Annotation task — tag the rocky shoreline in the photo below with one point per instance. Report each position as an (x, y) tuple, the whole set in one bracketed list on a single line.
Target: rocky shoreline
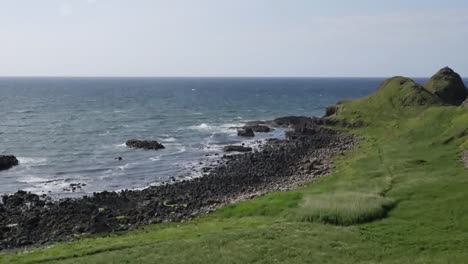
[(30, 220)]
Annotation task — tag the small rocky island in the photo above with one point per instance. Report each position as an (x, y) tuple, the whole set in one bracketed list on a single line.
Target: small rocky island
[(144, 144), (8, 162)]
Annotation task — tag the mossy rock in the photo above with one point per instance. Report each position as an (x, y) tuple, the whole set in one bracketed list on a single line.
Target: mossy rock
[(399, 92), (394, 97), (448, 86)]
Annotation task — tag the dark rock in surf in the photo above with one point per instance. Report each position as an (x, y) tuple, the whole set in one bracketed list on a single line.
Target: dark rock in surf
[(237, 149), (7, 162), (292, 121), (245, 132), (258, 128), (144, 144)]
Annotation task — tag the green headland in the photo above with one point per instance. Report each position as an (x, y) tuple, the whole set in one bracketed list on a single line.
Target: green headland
[(400, 196)]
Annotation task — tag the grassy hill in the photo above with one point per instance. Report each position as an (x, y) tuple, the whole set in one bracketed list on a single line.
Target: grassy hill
[(399, 197)]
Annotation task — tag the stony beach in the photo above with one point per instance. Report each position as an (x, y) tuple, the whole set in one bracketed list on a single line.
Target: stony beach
[(27, 219)]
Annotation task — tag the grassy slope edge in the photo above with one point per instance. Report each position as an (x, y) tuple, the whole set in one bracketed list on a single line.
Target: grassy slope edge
[(400, 197)]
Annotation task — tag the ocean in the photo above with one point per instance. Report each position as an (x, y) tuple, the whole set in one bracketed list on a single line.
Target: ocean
[(70, 130)]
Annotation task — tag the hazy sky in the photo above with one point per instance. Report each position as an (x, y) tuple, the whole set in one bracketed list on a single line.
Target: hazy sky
[(232, 37)]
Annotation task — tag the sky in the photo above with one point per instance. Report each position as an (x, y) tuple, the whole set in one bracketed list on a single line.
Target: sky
[(270, 38)]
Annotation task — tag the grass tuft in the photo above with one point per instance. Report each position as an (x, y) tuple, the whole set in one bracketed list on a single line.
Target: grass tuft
[(345, 208)]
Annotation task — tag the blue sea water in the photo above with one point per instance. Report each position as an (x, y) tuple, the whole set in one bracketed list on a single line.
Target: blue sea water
[(69, 130)]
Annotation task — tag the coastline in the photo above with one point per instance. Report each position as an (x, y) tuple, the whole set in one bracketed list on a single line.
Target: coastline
[(306, 153)]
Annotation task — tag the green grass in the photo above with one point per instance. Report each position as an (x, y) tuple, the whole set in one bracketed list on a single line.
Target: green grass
[(344, 208), (400, 197)]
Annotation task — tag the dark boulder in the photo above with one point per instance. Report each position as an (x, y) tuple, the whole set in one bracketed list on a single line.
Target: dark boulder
[(448, 86), (237, 148), (258, 128), (245, 132), (291, 121), (7, 162), (144, 144)]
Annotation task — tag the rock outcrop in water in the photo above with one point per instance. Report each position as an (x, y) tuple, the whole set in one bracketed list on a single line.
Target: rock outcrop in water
[(27, 219), (245, 132), (259, 128), (144, 144), (233, 148), (448, 86), (7, 162)]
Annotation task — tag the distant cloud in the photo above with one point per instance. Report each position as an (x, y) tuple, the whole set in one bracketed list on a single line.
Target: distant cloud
[(65, 9)]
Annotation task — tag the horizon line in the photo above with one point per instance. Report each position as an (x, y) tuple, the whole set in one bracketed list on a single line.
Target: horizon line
[(198, 77)]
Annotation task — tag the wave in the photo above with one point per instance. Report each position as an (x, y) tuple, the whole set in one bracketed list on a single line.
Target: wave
[(79, 172), (155, 158), (104, 134), (24, 111), (31, 161), (53, 186), (168, 139), (225, 128), (179, 149), (132, 165), (202, 126), (124, 167), (35, 179)]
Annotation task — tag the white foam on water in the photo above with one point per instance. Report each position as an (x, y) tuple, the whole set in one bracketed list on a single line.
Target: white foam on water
[(168, 139), (54, 187), (104, 134), (180, 149), (24, 111), (123, 145), (227, 128), (31, 161), (208, 147), (33, 179), (155, 158), (231, 125), (124, 167), (202, 126)]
